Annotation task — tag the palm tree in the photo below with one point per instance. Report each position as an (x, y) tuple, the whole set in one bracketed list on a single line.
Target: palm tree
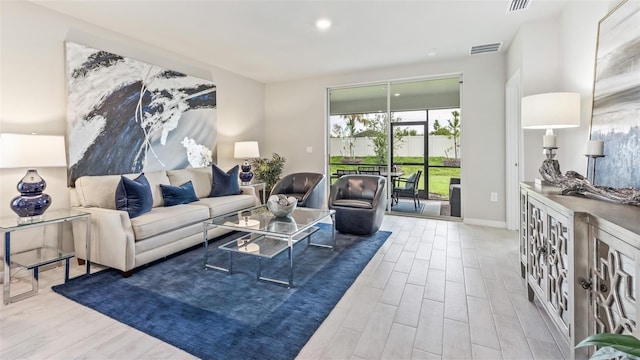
[(352, 121), (453, 128)]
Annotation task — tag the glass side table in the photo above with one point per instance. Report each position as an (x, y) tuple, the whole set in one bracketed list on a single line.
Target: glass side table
[(32, 259), (258, 186)]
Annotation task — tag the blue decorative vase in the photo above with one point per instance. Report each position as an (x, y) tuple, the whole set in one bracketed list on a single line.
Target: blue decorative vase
[(31, 202), (245, 175)]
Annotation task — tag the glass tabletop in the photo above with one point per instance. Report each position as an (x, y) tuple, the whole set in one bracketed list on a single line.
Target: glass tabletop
[(40, 256), (261, 220), (10, 223), (264, 245)]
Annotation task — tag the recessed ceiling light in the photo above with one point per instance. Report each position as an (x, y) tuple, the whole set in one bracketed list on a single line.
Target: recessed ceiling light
[(396, 94), (323, 24), (432, 51)]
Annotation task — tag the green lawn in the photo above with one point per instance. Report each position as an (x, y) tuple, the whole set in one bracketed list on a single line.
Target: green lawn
[(438, 177)]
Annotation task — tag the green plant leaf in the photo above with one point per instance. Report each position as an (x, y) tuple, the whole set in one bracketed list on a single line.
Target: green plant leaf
[(268, 170), (626, 344)]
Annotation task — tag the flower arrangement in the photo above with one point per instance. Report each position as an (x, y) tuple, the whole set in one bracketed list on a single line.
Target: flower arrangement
[(198, 155)]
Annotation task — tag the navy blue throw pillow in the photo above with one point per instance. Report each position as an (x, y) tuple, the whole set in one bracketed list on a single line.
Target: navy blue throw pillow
[(134, 196), (176, 195), (224, 183)]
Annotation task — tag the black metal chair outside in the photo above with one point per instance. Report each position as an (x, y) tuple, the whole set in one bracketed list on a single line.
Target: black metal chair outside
[(407, 187), (342, 172), (368, 170)]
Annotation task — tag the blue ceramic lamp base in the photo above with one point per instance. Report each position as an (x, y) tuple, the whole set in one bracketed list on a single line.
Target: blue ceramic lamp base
[(245, 175), (32, 202)]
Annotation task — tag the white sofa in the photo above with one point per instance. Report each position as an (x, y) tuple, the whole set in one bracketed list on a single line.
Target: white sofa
[(123, 243)]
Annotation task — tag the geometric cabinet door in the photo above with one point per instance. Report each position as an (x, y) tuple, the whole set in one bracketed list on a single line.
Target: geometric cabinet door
[(615, 270)]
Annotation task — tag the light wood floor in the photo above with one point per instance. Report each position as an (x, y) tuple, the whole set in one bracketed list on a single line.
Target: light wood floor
[(436, 289)]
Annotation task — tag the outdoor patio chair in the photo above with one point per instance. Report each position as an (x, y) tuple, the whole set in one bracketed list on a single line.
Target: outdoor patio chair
[(368, 170), (454, 196), (341, 172), (407, 187)]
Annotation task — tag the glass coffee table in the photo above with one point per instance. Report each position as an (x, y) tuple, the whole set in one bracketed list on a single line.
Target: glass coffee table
[(266, 236)]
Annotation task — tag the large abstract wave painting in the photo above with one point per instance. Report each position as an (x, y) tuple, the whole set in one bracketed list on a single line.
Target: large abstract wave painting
[(616, 97), (126, 116)]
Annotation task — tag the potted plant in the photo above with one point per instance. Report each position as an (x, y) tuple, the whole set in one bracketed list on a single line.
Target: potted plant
[(268, 170), (613, 346)]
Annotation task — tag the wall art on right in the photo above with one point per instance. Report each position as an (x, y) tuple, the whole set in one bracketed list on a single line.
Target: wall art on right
[(616, 97)]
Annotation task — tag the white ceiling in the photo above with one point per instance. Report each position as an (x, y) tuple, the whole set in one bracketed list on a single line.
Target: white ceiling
[(273, 41)]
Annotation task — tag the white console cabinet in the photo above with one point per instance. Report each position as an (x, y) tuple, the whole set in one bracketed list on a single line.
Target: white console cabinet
[(581, 260)]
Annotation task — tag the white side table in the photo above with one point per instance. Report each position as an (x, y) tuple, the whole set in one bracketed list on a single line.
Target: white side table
[(34, 258)]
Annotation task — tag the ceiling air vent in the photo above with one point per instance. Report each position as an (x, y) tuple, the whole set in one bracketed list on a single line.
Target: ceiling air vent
[(516, 5), (486, 48)]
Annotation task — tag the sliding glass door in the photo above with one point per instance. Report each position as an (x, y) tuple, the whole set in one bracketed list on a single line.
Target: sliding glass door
[(404, 129)]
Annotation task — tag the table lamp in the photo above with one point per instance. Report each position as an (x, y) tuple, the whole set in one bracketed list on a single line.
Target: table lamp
[(550, 111), (246, 150), (31, 152)]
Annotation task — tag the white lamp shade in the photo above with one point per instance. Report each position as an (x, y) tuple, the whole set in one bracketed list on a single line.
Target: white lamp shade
[(32, 151), (246, 150), (551, 111)]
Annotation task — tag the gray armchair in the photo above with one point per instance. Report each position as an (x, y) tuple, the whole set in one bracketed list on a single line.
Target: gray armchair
[(308, 188), (359, 202)]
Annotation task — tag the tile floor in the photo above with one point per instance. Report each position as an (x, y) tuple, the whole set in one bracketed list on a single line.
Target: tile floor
[(436, 289)]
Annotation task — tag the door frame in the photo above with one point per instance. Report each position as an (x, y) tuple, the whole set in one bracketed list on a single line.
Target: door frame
[(513, 153)]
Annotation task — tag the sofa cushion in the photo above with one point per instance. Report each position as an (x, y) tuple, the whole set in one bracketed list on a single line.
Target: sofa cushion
[(134, 196), (224, 183), (176, 195), (354, 203), (156, 178), (163, 219), (98, 191), (225, 204), (199, 177)]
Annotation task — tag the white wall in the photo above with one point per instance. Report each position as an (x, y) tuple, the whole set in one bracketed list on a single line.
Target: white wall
[(298, 108), (558, 55), (580, 32), (33, 90)]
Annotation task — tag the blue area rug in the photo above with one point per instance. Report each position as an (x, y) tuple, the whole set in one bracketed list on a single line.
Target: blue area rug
[(214, 315)]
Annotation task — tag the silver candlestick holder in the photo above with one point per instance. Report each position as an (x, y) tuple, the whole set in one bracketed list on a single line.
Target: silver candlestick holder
[(593, 168)]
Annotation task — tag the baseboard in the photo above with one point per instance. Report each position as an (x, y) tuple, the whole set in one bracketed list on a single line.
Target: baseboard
[(489, 223)]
